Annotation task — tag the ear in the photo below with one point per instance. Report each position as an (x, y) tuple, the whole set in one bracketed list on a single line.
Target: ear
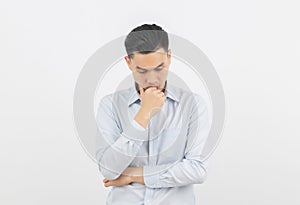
[(169, 53), (169, 56), (128, 61)]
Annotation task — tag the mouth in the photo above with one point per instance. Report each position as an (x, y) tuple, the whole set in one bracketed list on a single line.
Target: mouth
[(147, 87), (157, 87)]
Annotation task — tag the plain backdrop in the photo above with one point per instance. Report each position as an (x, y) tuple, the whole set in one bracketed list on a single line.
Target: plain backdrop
[(254, 46)]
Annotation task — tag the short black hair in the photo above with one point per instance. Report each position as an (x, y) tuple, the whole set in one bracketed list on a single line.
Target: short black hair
[(145, 39)]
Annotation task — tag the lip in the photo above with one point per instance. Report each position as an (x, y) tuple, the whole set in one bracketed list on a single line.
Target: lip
[(157, 87)]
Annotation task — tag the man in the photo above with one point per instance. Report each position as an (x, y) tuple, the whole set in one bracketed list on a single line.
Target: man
[(152, 134)]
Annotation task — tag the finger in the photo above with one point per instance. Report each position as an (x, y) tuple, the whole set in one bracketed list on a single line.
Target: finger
[(141, 90), (151, 89), (161, 89), (105, 180), (159, 93), (155, 90), (107, 183), (163, 99)]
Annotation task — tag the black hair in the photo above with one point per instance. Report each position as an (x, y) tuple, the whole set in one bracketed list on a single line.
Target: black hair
[(145, 39)]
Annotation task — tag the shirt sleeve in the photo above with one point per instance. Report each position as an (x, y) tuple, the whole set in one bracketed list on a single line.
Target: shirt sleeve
[(116, 148), (190, 170)]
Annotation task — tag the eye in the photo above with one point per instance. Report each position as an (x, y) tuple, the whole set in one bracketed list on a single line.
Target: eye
[(142, 72), (158, 69)]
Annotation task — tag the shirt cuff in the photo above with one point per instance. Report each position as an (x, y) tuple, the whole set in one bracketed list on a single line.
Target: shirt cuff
[(152, 175)]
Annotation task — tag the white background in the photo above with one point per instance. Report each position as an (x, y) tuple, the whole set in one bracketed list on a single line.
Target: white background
[(254, 46)]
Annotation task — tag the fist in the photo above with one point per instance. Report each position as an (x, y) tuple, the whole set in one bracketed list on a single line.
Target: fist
[(152, 100)]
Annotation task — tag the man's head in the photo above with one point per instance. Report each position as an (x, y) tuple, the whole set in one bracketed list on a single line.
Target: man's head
[(148, 57)]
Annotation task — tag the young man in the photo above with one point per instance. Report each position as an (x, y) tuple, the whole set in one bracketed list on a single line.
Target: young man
[(152, 134)]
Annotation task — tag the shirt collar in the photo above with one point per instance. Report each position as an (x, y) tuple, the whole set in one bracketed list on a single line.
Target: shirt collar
[(170, 93)]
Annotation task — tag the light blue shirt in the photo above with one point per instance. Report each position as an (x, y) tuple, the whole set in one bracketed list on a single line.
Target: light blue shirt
[(168, 149)]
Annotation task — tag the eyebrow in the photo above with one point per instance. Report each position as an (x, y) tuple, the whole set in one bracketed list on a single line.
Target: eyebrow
[(144, 69)]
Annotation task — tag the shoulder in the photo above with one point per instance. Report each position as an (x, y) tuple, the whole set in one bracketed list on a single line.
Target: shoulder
[(116, 98), (184, 95), (124, 93)]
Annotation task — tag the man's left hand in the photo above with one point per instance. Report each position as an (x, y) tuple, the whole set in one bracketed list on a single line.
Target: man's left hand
[(120, 181), (130, 174)]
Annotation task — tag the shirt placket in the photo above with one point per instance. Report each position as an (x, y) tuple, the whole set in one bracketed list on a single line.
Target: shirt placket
[(151, 162)]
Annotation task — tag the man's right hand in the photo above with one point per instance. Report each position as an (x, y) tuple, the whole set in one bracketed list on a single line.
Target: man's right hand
[(152, 100)]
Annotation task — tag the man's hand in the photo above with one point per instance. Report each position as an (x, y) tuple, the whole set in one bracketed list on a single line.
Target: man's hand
[(151, 102), (121, 181), (130, 174)]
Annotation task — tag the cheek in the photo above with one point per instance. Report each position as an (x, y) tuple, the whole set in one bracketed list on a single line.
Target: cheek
[(163, 75), (138, 77)]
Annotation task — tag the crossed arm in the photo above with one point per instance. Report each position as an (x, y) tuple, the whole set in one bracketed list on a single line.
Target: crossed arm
[(116, 151), (131, 174)]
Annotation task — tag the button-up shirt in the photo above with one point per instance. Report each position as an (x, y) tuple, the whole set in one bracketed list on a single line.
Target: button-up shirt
[(169, 149)]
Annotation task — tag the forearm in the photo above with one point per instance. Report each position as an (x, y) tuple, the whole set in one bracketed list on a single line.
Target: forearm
[(117, 157), (138, 179), (162, 176), (130, 175), (180, 174), (125, 148), (142, 118), (136, 174)]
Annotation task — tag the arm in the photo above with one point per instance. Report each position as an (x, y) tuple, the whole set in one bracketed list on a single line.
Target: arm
[(115, 149), (191, 170), (131, 174)]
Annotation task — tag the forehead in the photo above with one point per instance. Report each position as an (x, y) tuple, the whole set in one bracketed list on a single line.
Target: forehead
[(149, 60)]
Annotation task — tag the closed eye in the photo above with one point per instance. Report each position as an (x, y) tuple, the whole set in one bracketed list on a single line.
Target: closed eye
[(142, 71)]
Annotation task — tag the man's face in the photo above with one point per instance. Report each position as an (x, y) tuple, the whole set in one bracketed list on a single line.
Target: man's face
[(150, 70)]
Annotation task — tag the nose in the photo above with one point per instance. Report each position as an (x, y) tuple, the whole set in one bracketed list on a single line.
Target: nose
[(152, 79)]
